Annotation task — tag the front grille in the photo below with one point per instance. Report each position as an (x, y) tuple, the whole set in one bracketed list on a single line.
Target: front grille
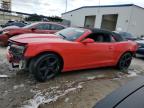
[(13, 50)]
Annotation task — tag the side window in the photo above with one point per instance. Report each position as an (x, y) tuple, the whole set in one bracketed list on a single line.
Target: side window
[(39, 27), (100, 37), (46, 27), (43, 26), (118, 37), (113, 39), (56, 27)]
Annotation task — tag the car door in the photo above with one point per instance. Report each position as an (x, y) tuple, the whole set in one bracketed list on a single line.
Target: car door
[(99, 53)]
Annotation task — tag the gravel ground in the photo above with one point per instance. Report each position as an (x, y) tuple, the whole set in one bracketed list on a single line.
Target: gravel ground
[(78, 89)]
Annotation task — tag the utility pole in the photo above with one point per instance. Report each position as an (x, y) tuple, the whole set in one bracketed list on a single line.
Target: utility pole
[(66, 6), (99, 6)]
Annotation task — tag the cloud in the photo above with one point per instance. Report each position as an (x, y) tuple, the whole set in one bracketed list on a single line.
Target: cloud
[(42, 7), (56, 7)]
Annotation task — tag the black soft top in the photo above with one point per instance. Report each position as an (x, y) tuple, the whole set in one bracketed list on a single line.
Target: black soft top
[(117, 36), (96, 30)]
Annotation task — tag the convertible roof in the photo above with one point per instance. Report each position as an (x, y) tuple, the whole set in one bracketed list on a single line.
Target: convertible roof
[(116, 35), (95, 30)]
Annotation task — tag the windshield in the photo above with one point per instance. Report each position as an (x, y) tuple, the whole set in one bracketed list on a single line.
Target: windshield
[(71, 33), (30, 25)]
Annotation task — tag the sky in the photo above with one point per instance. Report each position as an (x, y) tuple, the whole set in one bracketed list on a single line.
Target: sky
[(57, 7)]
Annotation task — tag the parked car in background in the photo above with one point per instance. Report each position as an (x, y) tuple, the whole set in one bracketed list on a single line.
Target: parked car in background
[(3, 38), (130, 95), (127, 36), (45, 55), (39, 27), (13, 23), (140, 50)]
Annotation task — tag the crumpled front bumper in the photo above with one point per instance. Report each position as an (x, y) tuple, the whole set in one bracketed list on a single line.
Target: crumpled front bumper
[(16, 63)]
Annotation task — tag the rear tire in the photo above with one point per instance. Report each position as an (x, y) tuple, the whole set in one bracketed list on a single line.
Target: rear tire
[(124, 62), (45, 67)]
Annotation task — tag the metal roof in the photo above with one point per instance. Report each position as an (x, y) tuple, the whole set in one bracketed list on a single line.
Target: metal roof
[(120, 5)]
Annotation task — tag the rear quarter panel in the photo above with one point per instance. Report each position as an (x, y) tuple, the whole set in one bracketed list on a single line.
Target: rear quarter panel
[(123, 47)]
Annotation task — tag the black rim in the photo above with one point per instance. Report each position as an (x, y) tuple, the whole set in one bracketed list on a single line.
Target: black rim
[(125, 61), (48, 67)]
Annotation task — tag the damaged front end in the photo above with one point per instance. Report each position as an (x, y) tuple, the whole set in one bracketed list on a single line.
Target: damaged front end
[(15, 54)]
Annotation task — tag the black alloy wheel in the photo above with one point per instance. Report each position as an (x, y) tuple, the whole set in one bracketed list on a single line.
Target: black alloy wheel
[(125, 62), (46, 67)]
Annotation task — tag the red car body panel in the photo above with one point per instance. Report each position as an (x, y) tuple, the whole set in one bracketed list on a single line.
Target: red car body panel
[(75, 54), (17, 31)]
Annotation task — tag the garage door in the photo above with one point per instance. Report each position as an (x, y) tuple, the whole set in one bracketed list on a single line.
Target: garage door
[(109, 22), (89, 21)]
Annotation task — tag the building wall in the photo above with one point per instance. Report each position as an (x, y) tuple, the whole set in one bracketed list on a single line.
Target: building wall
[(4, 17), (77, 17), (136, 24)]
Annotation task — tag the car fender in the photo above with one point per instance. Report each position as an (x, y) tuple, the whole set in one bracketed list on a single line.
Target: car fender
[(38, 50), (130, 46)]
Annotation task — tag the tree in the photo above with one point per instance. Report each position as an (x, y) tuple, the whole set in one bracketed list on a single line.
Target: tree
[(35, 17)]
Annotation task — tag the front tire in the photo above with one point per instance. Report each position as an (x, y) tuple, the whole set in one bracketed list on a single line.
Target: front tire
[(45, 67), (124, 62)]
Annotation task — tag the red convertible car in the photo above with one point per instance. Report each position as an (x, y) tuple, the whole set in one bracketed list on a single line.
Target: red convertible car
[(39, 27), (46, 55)]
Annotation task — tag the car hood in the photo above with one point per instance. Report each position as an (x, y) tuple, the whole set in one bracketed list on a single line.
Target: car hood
[(10, 28), (37, 38)]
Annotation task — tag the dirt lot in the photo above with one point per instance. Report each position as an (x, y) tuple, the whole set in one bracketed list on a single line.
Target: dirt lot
[(78, 89)]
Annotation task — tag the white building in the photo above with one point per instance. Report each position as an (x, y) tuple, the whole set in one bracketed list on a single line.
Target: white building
[(128, 17)]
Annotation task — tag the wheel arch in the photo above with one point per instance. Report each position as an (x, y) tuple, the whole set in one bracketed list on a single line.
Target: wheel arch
[(47, 52), (131, 52)]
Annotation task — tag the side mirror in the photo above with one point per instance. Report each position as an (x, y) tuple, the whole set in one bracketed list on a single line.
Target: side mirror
[(88, 40), (33, 29)]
